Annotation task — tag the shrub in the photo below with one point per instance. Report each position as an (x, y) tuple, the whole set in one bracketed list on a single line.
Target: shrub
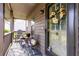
[(6, 31)]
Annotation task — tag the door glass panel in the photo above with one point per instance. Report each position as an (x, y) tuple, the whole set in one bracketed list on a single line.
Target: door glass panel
[(58, 29)]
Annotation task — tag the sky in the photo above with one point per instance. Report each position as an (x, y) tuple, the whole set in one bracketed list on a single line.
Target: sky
[(20, 25)]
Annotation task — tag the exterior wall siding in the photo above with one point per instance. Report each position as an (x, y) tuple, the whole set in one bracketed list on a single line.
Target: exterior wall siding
[(40, 30), (7, 41), (1, 29), (39, 27)]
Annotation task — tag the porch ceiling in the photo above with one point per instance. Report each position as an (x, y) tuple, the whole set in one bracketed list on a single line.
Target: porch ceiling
[(20, 10)]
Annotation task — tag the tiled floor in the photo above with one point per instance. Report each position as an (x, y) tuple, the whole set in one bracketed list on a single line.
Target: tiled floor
[(17, 50)]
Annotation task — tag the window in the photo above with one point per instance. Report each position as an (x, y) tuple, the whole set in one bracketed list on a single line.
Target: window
[(6, 26)]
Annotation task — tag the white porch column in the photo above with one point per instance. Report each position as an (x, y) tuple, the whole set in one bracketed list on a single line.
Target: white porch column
[(12, 25), (29, 26), (26, 25), (11, 21)]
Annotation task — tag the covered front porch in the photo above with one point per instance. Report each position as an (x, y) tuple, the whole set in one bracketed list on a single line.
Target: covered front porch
[(53, 25), (19, 20)]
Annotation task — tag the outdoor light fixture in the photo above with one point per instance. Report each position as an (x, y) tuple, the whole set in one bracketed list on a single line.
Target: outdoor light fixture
[(42, 11)]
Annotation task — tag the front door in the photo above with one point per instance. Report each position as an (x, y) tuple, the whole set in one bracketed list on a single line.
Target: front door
[(60, 29)]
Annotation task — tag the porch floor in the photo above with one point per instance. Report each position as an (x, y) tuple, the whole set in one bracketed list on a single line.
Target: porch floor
[(20, 48), (17, 50)]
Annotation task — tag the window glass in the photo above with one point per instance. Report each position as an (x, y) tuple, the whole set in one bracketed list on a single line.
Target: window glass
[(58, 29)]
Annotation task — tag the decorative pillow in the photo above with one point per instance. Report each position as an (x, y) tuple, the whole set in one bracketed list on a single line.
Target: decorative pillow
[(33, 42)]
